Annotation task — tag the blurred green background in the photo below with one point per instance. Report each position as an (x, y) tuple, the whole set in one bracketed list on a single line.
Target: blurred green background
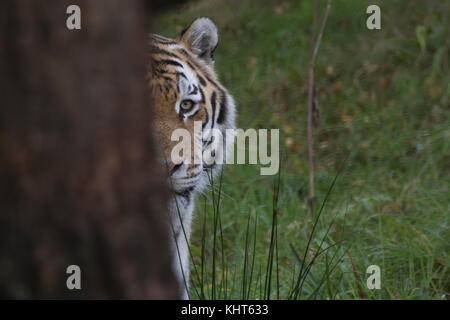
[(384, 103)]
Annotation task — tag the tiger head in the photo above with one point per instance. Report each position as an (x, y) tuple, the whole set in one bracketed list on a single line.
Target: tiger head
[(187, 95)]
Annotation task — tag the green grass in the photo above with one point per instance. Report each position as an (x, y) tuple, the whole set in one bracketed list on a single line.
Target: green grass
[(384, 104)]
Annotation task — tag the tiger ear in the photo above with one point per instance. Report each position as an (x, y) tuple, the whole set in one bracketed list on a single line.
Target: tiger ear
[(201, 37)]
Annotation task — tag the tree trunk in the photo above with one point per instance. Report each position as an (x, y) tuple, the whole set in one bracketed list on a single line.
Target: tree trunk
[(79, 181)]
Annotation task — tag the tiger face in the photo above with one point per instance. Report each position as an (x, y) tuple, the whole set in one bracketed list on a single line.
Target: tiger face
[(186, 93)]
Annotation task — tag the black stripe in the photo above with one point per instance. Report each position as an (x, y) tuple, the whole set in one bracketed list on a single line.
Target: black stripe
[(191, 66), (158, 36), (167, 79), (181, 74), (213, 106), (156, 50), (161, 72), (162, 40), (202, 81), (206, 121), (167, 61), (223, 107), (195, 112), (207, 143), (194, 90), (203, 96), (186, 194)]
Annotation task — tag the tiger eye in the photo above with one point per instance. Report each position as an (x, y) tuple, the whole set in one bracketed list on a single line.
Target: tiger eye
[(186, 104)]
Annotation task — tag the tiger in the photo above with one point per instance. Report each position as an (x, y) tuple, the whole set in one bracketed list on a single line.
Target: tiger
[(185, 89)]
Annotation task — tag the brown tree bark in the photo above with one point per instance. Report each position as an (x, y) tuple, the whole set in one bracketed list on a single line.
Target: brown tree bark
[(79, 183)]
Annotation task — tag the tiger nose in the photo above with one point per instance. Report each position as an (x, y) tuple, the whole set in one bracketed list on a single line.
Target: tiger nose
[(172, 167)]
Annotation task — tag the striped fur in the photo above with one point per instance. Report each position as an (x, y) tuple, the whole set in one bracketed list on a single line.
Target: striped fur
[(182, 69)]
